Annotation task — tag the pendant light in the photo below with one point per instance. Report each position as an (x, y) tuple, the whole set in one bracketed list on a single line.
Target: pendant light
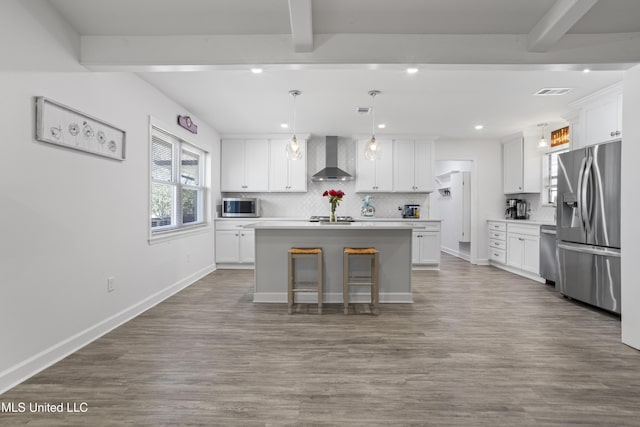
[(372, 151), (294, 152), (542, 142)]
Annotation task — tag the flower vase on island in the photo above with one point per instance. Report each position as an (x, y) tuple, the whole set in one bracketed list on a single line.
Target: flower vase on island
[(335, 197)]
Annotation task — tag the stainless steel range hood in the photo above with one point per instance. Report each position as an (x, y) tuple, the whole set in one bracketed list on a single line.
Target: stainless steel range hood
[(331, 172)]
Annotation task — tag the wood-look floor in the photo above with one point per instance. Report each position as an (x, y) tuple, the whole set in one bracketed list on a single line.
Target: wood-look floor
[(479, 347)]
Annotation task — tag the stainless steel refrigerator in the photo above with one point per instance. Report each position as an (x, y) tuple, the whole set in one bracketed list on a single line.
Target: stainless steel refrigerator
[(588, 225)]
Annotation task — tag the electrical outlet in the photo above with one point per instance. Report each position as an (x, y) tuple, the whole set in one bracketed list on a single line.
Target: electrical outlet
[(110, 284)]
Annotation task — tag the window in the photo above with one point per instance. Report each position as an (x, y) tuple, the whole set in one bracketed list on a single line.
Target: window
[(177, 183), (551, 177)]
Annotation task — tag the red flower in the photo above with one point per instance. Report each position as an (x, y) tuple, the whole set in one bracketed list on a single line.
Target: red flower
[(334, 196)]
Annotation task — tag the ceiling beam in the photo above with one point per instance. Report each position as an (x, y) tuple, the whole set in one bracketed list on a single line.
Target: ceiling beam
[(556, 23), (164, 53), (301, 25)]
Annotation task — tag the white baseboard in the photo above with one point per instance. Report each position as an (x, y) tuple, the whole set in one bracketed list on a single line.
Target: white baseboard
[(15, 375), (419, 267), (333, 298), (518, 272), (482, 261), (234, 266), (457, 254)]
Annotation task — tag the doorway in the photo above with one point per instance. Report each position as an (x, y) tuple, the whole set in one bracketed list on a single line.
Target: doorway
[(452, 203)]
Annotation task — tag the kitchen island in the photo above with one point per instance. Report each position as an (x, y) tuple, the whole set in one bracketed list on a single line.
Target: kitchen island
[(273, 239)]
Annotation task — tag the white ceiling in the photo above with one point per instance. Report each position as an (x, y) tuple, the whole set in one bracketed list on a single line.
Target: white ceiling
[(442, 100), (447, 104), (160, 17)]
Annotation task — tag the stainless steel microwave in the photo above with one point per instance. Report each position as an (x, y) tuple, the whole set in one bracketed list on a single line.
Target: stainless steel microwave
[(240, 207)]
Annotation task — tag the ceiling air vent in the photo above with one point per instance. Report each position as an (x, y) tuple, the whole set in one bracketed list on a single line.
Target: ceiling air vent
[(364, 110), (553, 91)]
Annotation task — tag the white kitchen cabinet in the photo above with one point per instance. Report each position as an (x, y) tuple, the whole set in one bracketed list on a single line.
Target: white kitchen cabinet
[(413, 166), (521, 165), (498, 242), (235, 245), (523, 247), (287, 175), (426, 243), (243, 165), (600, 116), (374, 175)]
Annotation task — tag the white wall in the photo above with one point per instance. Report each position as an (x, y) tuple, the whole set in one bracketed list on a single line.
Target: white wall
[(487, 198), (34, 37), (69, 220), (630, 207)]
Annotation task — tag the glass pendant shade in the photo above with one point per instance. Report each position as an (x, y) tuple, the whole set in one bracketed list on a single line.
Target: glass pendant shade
[(294, 152), (293, 149), (371, 152), (542, 142)]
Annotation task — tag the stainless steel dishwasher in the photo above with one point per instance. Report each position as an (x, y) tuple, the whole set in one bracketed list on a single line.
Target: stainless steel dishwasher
[(548, 258)]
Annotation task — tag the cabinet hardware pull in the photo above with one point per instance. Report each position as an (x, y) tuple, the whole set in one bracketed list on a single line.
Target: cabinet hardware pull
[(612, 133), (617, 132), (521, 239)]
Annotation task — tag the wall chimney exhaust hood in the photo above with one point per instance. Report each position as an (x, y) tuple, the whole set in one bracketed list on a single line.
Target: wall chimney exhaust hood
[(331, 172)]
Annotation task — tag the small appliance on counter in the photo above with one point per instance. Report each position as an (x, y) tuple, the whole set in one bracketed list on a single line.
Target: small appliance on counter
[(517, 209), (240, 207), (410, 211), (367, 210), (522, 209), (511, 212)]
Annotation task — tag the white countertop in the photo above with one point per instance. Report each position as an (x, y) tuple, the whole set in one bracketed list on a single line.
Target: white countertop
[(304, 225), (356, 219), (523, 221), (369, 219)]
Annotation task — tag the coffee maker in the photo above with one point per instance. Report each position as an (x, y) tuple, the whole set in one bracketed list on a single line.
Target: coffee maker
[(521, 209), (512, 209)]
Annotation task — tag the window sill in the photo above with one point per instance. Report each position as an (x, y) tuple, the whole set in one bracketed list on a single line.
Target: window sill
[(164, 236)]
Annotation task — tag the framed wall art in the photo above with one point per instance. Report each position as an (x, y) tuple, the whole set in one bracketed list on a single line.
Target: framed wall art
[(61, 125)]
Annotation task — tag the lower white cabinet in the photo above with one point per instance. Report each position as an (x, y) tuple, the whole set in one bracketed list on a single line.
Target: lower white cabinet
[(234, 244), (515, 247), (426, 243), (523, 247)]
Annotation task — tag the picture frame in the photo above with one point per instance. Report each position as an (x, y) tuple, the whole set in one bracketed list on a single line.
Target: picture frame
[(64, 126)]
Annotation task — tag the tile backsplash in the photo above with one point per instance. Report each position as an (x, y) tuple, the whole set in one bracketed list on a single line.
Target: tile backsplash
[(303, 205), (538, 211)]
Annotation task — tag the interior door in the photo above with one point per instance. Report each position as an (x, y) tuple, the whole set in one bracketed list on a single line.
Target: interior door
[(569, 216), (603, 197)]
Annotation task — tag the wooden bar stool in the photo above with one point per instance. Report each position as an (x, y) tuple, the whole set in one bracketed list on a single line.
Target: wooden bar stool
[(370, 280), (295, 253)]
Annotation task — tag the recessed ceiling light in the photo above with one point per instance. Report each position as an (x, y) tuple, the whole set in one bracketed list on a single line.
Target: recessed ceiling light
[(586, 70), (256, 70), (284, 125), (412, 70), (479, 127), (382, 126)]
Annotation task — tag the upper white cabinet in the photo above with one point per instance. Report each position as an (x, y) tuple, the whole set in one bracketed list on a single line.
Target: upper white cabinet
[(600, 117), (412, 166), (374, 175), (286, 175), (244, 167), (521, 166)]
